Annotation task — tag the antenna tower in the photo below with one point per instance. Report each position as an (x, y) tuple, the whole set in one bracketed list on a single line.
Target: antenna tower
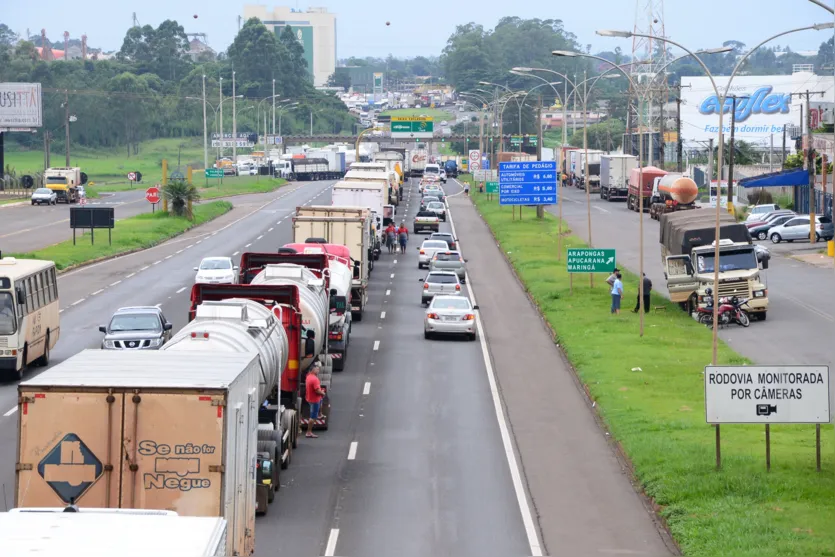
[(649, 56), (66, 45), (135, 22)]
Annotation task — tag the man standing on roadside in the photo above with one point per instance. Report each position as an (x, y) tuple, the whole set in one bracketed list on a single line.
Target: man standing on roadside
[(647, 291), (617, 294), (314, 395), (611, 280)]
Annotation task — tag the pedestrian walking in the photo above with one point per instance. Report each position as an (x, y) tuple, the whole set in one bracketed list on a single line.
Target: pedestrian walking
[(314, 395), (647, 290), (617, 293), (403, 236)]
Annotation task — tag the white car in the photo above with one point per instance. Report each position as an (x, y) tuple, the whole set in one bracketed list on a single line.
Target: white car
[(81, 191), (450, 315), (216, 270), (428, 249), (44, 196), (443, 175), (758, 211)]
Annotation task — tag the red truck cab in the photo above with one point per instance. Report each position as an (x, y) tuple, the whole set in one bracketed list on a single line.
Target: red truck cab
[(640, 186)]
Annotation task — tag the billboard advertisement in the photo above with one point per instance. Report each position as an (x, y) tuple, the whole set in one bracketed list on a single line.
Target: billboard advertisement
[(765, 105), (21, 105)]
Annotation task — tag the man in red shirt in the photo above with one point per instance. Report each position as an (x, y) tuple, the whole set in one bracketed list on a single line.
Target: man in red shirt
[(314, 395)]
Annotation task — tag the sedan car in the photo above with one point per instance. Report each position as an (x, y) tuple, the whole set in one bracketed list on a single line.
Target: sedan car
[(434, 191), (426, 220), (798, 229), (760, 230), (428, 249), (44, 196), (437, 283), (438, 208), (450, 315), (426, 200), (216, 270), (449, 261), (446, 237), (136, 328)]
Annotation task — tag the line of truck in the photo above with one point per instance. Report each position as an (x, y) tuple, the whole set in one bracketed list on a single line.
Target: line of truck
[(204, 426)]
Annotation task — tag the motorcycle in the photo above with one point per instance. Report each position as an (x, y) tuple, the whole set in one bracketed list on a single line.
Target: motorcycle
[(730, 311)]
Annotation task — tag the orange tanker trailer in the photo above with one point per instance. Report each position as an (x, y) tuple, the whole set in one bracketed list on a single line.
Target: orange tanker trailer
[(672, 192)]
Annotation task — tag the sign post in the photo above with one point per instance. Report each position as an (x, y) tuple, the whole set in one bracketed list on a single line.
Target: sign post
[(152, 195), (767, 395)]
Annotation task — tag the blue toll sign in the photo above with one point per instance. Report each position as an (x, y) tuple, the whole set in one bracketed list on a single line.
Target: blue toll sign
[(528, 183), (70, 468)]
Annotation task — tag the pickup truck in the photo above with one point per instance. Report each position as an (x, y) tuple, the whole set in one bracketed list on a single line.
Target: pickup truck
[(426, 220)]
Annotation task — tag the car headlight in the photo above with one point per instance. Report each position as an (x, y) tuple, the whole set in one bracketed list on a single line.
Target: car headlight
[(109, 344), (155, 342), (760, 293)]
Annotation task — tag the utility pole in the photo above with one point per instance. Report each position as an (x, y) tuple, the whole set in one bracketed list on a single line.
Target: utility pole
[(234, 124), (734, 98), (273, 107), (540, 210), (679, 139), (205, 134), (710, 170), (771, 155), (220, 130), (45, 149), (810, 157), (783, 153), (67, 123)]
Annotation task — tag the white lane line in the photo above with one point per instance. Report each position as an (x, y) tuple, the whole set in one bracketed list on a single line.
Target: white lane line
[(145, 268), (157, 262), (61, 310), (352, 451), (278, 222), (189, 246), (600, 209), (388, 292), (169, 257), (259, 237), (179, 252), (395, 261), (115, 283), (181, 289), (10, 412), (75, 303), (330, 549), (376, 345), (246, 246), (367, 388), (130, 275), (236, 253), (383, 315), (271, 229), (97, 292), (392, 275), (510, 454), (197, 242)]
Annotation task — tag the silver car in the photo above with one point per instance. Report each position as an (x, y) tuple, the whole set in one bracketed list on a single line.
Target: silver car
[(449, 261), (450, 315), (438, 208), (44, 196), (136, 328), (428, 249), (427, 199), (437, 283)]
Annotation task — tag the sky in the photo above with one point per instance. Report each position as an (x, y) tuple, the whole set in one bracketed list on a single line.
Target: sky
[(422, 28)]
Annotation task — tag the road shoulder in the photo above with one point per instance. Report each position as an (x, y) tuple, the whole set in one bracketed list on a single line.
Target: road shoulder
[(581, 492)]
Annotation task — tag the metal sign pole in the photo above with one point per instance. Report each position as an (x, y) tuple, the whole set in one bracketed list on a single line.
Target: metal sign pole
[(818, 447), (768, 447), (718, 448)]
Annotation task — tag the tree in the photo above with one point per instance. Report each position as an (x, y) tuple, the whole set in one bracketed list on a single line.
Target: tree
[(292, 67), (180, 196), (163, 51), (605, 136), (7, 37), (825, 56), (340, 78), (256, 56)]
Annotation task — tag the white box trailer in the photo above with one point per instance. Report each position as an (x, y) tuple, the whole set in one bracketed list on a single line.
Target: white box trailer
[(107, 532), (144, 429), (614, 175)]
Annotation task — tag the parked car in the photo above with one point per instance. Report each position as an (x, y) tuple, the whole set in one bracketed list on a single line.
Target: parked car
[(759, 230), (428, 249), (798, 229), (216, 270), (449, 261), (757, 211), (44, 196), (439, 282), (453, 315), (136, 328), (446, 237), (438, 208)]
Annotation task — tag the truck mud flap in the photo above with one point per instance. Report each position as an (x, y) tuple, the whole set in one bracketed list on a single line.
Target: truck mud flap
[(320, 423)]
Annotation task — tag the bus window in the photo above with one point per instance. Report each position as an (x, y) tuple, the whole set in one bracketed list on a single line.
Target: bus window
[(7, 318)]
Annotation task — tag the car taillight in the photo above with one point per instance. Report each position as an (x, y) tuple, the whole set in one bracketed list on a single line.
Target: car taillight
[(426, 286), (433, 316), (458, 287), (422, 252), (469, 317)]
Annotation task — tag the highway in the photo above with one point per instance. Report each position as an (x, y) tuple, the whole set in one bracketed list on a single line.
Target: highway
[(29, 227), (801, 314)]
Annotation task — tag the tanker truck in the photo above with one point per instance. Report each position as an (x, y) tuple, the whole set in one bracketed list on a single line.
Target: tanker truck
[(339, 270), (260, 269), (640, 186), (671, 193), (234, 324)]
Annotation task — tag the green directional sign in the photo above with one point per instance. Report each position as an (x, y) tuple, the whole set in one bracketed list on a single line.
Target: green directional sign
[(214, 173), (412, 126), (491, 187), (591, 260)]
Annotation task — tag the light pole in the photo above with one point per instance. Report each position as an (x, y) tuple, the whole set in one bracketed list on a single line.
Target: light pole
[(234, 124), (205, 133), (273, 107), (215, 110), (721, 97), (220, 129), (281, 109)]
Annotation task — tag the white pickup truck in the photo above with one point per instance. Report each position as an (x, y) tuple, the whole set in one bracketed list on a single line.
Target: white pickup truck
[(426, 220)]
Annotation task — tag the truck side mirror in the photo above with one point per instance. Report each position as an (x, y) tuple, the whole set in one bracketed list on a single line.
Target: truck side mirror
[(103, 329), (765, 262)]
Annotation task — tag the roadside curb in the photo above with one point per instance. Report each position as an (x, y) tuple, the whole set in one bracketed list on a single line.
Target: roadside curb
[(16, 204), (650, 505)]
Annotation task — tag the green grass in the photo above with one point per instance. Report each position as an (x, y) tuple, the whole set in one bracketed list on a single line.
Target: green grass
[(130, 234), (657, 414), (436, 114), (239, 185)]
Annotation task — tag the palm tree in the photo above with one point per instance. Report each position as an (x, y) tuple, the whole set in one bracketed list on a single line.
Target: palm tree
[(180, 195)]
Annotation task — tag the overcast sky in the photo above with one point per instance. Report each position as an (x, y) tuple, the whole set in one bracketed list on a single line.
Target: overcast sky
[(422, 28)]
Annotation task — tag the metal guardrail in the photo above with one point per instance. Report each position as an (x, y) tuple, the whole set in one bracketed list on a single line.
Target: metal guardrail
[(297, 139)]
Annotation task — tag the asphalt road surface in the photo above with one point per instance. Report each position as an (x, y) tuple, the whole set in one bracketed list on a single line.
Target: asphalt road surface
[(414, 462), (29, 227), (801, 315)]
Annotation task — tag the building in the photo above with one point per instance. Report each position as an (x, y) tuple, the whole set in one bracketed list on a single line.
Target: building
[(315, 29), (198, 50)]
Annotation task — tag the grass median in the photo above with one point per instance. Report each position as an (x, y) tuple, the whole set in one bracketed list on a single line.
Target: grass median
[(238, 185), (650, 393), (130, 234)]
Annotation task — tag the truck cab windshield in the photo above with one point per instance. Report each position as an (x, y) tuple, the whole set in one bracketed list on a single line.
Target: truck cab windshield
[(730, 260), (8, 324)]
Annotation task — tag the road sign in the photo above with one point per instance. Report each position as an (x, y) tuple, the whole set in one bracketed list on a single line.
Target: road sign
[(590, 260), (485, 175), (474, 160), (152, 194), (767, 394), (492, 187), (412, 127), (214, 173), (528, 183), (132, 176), (70, 468), (82, 200)]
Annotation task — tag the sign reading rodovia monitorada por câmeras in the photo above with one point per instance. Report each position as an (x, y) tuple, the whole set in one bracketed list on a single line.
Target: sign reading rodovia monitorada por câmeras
[(768, 108)]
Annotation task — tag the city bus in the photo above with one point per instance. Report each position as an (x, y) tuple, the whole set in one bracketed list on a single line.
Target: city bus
[(29, 326)]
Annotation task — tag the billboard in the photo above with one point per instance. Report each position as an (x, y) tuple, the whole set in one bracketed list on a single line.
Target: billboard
[(765, 105), (21, 105), (304, 34)]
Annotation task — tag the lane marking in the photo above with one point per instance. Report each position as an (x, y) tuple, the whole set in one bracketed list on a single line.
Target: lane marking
[(330, 549), (179, 252), (352, 451), (392, 275), (169, 257), (61, 311), (383, 315), (115, 283), (197, 242), (145, 268), (75, 303), (10, 412), (395, 261), (130, 275), (367, 388), (181, 289), (376, 345), (157, 262), (189, 246), (504, 429), (259, 237), (271, 229), (246, 246), (600, 209), (388, 292), (97, 292)]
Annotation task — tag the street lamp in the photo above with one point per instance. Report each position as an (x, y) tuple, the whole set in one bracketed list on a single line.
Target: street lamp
[(215, 109), (720, 103)]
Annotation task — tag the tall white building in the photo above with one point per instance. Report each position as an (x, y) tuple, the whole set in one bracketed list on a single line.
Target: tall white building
[(315, 29)]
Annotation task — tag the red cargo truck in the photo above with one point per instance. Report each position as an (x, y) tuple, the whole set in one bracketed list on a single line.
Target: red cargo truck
[(645, 177)]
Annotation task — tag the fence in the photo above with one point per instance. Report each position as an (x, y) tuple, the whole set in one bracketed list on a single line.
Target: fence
[(16, 186), (823, 201)]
